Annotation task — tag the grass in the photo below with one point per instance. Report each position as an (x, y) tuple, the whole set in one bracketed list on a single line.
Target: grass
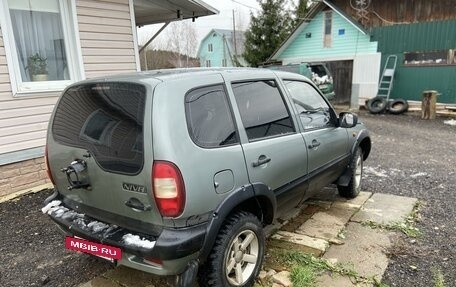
[(305, 268), (303, 276), (439, 280), (318, 264), (408, 227)]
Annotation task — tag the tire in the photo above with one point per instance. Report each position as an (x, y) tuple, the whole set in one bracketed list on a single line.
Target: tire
[(376, 105), (354, 186), (229, 253), (398, 106)]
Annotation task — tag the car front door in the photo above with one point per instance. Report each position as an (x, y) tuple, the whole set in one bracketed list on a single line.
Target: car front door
[(327, 144), (274, 151)]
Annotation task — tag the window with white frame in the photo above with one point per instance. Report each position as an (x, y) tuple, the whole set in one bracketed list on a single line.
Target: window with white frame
[(208, 63), (209, 47), (327, 29), (40, 42), (223, 62)]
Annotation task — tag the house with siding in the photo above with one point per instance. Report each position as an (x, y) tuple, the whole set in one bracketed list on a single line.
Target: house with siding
[(329, 35), (45, 45), (221, 48), (420, 33)]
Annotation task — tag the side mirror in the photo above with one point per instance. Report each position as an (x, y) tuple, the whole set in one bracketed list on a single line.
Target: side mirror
[(347, 120)]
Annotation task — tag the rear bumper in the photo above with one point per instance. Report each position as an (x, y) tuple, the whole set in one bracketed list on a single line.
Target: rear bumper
[(174, 248)]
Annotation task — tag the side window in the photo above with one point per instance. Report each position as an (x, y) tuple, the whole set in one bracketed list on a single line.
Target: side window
[(209, 119), (262, 109), (313, 111)]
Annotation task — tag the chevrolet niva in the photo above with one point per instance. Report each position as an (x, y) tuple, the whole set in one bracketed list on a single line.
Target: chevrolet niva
[(176, 172)]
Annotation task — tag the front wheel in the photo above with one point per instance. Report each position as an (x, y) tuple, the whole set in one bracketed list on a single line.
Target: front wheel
[(353, 188), (237, 255)]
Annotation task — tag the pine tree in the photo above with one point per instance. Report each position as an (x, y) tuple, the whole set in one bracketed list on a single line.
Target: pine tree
[(267, 31), (300, 11)]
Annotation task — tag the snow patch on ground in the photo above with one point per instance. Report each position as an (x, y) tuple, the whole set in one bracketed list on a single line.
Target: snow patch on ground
[(376, 172), (419, 174), (51, 206), (135, 240), (451, 122)]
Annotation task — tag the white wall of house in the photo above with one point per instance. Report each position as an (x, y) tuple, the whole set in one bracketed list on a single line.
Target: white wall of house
[(100, 38), (107, 37), (366, 73), (103, 43)]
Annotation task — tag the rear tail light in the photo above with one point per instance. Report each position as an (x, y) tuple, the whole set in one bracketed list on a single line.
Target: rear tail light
[(48, 170), (169, 189)]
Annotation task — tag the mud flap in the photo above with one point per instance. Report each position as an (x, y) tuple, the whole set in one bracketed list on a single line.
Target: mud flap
[(188, 277), (345, 178)]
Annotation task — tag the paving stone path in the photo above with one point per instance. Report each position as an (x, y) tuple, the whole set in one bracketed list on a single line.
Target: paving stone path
[(327, 226)]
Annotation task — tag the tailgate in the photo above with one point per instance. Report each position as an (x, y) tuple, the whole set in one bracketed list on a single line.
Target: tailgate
[(100, 152)]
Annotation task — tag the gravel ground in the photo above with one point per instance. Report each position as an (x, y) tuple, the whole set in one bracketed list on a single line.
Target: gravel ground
[(417, 158), (410, 157), (32, 250)]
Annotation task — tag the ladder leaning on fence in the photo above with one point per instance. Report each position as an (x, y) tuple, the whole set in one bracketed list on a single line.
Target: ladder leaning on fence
[(386, 81), (382, 101)]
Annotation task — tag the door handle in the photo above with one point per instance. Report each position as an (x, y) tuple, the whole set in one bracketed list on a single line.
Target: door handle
[(261, 160), (314, 144), (138, 205)]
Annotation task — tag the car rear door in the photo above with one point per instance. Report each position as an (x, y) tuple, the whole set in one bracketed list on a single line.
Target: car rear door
[(274, 151), (327, 144), (98, 152)]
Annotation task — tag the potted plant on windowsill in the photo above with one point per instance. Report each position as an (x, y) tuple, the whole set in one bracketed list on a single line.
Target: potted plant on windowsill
[(37, 66)]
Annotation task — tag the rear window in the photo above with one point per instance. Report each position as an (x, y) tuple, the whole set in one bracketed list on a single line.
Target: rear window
[(107, 120)]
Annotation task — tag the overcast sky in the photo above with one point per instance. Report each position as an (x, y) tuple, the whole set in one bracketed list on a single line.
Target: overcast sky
[(224, 20)]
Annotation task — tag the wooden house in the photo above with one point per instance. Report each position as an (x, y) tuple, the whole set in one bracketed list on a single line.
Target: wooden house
[(354, 38), (221, 48)]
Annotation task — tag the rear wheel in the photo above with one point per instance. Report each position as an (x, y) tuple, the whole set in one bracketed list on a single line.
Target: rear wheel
[(353, 188), (238, 253)]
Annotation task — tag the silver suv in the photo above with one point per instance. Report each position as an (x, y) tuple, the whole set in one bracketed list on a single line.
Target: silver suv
[(176, 172)]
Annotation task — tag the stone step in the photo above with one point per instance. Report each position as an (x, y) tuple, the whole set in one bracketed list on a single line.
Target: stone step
[(300, 242), (326, 224), (384, 208), (364, 251)]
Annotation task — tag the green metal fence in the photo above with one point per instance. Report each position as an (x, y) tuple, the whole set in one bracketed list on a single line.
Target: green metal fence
[(426, 68)]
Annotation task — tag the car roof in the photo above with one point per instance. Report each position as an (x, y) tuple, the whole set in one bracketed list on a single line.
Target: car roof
[(180, 73)]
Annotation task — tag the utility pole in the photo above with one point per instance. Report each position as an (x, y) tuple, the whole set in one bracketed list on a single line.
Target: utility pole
[(234, 41), (145, 60)]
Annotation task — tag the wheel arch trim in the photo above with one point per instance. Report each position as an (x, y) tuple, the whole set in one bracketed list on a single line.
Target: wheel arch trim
[(257, 192), (363, 140)]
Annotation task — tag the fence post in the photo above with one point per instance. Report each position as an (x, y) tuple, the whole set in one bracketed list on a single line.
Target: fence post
[(428, 105)]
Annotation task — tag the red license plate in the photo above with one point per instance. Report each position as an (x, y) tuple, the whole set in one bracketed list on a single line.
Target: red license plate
[(97, 249)]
